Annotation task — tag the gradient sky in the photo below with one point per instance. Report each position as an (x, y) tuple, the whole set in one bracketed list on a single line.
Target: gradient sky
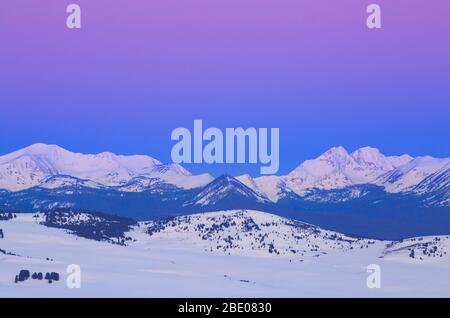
[(139, 68)]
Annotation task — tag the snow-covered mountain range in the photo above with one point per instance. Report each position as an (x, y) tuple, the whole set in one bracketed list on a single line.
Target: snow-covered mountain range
[(51, 166), (337, 169), (402, 196)]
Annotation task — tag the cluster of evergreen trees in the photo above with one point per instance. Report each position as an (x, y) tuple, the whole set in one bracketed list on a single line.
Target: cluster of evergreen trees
[(5, 216), (24, 275), (92, 225)]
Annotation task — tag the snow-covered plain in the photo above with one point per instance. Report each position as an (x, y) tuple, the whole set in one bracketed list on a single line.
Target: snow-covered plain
[(189, 257)]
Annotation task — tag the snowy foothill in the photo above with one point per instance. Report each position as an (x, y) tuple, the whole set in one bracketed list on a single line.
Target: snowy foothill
[(219, 254)]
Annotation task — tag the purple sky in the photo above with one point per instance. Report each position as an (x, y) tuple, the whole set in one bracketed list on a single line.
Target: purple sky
[(138, 69)]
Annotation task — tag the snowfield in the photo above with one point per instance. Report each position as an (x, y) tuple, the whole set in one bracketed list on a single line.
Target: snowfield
[(221, 254)]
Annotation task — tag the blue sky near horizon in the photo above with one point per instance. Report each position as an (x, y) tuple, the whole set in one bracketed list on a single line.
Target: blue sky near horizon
[(138, 69)]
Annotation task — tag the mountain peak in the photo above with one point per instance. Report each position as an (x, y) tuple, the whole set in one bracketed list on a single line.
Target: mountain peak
[(335, 151), (226, 176), (374, 156), (40, 148), (225, 179), (226, 190), (367, 150), (368, 155), (27, 167), (40, 145), (336, 168)]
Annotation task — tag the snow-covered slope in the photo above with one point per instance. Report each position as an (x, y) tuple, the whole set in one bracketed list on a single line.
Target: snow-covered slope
[(420, 249), (334, 169), (337, 169), (438, 183), (254, 233), (226, 190), (31, 166), (248, 181), (64, 181), (221, 254), (409, 175), (371, 159), (271, 187)]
